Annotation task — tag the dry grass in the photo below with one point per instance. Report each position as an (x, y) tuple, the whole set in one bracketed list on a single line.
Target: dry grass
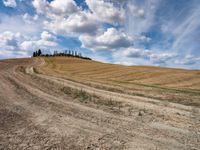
[(85, 97), (175, 85)]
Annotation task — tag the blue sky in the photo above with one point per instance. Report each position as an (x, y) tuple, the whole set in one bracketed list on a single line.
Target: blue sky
[(130, 32)]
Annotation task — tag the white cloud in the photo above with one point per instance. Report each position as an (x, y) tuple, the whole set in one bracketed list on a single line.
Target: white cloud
[(112, 39), (144, 38), (144, 57), (9, 41), (125, 62), (162, 58), (4, 54), (138, 12), (136, 53), (184, 29), (187, 31), (10, 3), (40, 6), (30, 19), (140, 16), (16, 23), (131, 56), (55, 8), (63, 6), (66, 18), (75, 24), (16, 29), (188, 60), (16, 44), (47, 40), (10, 45), (136, 56), (106, 11), (46, 36)]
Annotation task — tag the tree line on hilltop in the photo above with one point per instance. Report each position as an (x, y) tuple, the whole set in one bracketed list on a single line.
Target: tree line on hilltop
[(67, 53)]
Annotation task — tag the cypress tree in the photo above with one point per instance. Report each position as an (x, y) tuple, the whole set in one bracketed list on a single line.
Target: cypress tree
[(36, 53), (39, 52), (33, 54)]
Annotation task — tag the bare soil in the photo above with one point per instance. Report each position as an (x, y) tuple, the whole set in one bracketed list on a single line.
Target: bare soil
[(39, 111)]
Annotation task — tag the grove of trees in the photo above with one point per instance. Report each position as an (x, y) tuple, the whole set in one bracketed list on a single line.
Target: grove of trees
[(67, 53), (37, 53)]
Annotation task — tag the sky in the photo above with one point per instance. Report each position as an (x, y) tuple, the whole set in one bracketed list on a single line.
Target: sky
[(162, 33)]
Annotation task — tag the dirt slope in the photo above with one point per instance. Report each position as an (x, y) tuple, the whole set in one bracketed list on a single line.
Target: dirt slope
[(47, 111)]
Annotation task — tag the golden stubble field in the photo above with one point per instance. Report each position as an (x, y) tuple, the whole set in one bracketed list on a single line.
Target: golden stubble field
[(173, 85)]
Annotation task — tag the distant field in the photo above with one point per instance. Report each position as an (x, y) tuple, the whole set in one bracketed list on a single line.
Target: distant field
[(174, 85)]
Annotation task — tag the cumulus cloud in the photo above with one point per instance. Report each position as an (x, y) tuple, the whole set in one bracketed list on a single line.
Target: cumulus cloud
[(55, 8), (136, 53), (137, 56), (4, 54), (66, 7), (30, 19), (145, 55), (111, 39), (75, 24), (46, 40), (188, 60), (9, 40), (10, 3), (20, 23), (40, 6), (143, 38), (162, 58), (10, 45), (15, 42), (65, 17), (132, 56), (106, 11)]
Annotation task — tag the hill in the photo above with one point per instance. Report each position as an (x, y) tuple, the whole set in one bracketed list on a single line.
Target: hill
[(71, 103), (174, 85)]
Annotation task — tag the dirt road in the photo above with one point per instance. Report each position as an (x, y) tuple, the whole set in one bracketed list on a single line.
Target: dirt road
[(44, 112)]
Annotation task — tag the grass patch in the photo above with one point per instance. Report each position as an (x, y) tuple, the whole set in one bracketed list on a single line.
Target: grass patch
[(81, 95), (85, 97)]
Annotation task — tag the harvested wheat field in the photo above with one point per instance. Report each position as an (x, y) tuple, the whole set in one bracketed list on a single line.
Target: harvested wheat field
[(70, 103)]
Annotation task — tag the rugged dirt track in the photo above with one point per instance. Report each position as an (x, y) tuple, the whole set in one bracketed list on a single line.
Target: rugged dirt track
[(38, 112)]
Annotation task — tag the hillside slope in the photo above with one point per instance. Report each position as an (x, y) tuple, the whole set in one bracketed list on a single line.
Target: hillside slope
[(174, 85), (48, 103)]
